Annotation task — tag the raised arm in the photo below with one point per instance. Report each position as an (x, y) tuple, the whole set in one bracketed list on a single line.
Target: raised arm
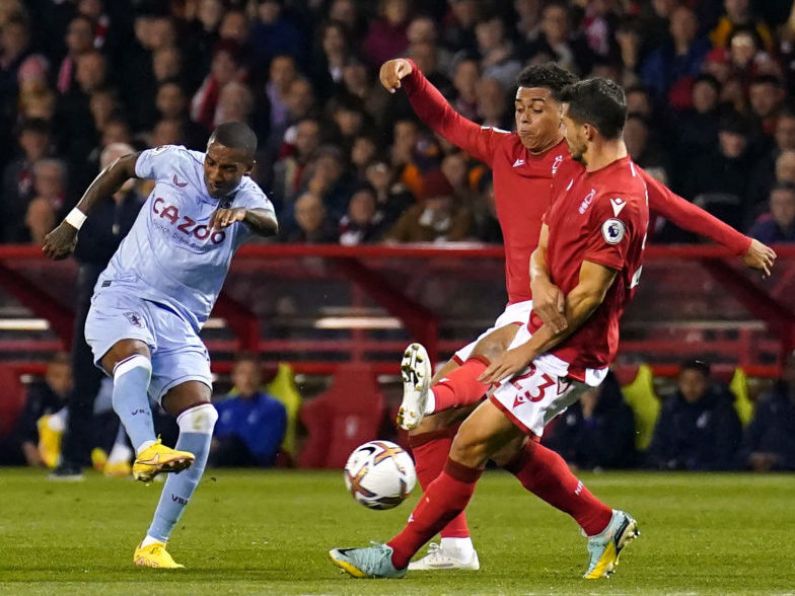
[(663, 201), (60, 243), (432, 108)]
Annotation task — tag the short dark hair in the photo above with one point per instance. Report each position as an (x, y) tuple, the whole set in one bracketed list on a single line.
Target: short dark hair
[(34, 125), (697, 365), (599, 102), (767, 79), (549, 76), (236, 135), (786, 186)]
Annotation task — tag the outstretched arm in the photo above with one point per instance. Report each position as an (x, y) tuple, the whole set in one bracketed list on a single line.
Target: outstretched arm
[(433, 109), (60, 243), (686, 215)]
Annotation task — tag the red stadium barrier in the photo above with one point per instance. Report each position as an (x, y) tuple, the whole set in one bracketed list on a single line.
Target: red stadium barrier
[(319, 306)]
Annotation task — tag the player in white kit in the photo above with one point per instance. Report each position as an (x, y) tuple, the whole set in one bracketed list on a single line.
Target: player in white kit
[(158, 290)]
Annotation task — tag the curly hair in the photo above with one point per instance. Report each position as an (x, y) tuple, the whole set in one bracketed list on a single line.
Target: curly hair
[(549, 76)]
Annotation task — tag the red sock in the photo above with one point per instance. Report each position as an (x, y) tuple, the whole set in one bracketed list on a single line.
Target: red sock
[(431, 451), (545, 474), (461, 387), (446, 497)]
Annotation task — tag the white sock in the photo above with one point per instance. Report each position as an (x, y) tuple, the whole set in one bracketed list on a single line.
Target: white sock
[(430, 402), (57, 421), (149, 540), (462, 546), (119, 453), (144, 445)]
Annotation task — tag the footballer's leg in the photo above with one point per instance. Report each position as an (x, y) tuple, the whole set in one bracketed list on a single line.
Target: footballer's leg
[(484, 433), (532, 400), (190, 403), (431, 440)]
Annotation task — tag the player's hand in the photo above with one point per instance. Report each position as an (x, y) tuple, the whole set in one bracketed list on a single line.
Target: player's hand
[(392, 71), (761, 257), (506, 365), (61, 242), (549, 304), (223, 218)]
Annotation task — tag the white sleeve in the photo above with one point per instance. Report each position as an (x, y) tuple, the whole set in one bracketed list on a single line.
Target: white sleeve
[(156, 163), (253, 198)]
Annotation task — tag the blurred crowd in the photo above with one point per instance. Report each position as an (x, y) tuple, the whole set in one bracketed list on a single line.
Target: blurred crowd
[(708, 84)]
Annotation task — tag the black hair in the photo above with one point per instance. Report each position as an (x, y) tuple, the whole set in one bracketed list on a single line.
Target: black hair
[(35, 125), (599, 102), (767, 79), (705, 77), (697, 365), (549, 76), (783, 185), (236, 135)]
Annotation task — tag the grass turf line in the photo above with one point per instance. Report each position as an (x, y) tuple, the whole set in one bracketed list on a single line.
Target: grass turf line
[(269, 533)]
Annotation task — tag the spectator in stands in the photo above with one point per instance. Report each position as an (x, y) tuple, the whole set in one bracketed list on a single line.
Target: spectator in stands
[(598, 431), (643, 150), (698, 428), (493, 105), (172, 103), (49, 183), (18, 190), (79, 40), (274, 33), (235, 104), (497, 57), (364, 151), (437, 218), (770, 438), (763, 178), (777, 226), (311, 222), (785, 167), (327, 178), (281, 73), (103, 230), (766, 95), (334, 53), (720, 175), (392, 196), (466, 73), (670, 69), (251, 424), (363, 223), (739, 14), (696, 128), (484, 212), (226, 67), (386, 37), (44, 397), (558, 42)]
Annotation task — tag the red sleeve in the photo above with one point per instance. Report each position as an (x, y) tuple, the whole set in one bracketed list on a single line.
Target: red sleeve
[(610, 235), (433, 109), (686, 215)]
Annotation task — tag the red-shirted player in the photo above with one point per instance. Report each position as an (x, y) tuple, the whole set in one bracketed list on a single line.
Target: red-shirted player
[(524, 165), (591, 247)]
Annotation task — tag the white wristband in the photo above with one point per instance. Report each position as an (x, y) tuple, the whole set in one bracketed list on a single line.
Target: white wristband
[(76, 218)]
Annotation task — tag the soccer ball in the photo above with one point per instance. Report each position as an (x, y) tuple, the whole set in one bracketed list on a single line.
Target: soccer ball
[(380, 475)]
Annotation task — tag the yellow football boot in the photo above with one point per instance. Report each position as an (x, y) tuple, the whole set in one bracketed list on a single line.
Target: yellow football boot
[(117, 469), (49, 442), (157, 459), (155, 555)]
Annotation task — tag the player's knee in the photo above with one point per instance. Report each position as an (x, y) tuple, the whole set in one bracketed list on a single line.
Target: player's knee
[(199, 419), (431, 423), (508, 453)]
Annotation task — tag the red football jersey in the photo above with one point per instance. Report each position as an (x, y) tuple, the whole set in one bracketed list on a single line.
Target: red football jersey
[(523, 184), (601, 217)]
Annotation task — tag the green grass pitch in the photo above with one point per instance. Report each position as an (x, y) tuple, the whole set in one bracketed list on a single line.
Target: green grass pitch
[(269, 533)]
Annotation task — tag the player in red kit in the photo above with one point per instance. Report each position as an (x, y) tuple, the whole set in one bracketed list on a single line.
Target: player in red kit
[(590, 247), (525, 163)]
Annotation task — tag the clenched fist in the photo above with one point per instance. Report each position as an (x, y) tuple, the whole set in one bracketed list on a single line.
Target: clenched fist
[(393, 71)]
